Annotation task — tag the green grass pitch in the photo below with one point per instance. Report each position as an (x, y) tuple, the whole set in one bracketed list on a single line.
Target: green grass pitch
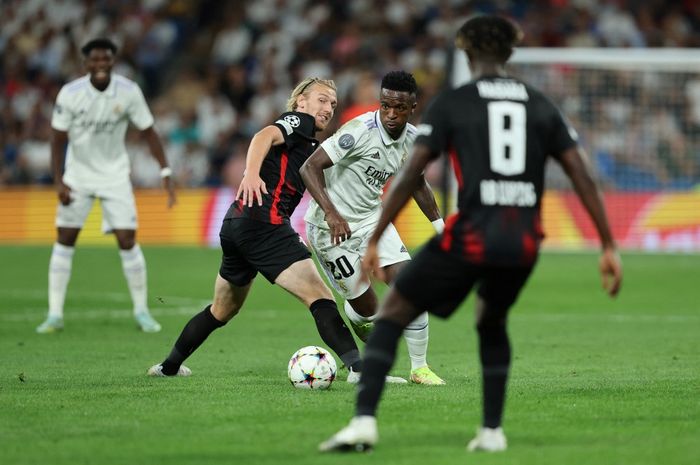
[(594, 381)]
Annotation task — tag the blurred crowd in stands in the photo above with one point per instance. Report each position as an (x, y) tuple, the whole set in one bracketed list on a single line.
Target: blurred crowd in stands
[(215, 72), (641, 128)]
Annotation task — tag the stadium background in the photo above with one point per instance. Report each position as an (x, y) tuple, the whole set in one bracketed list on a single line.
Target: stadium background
[(216, 72)]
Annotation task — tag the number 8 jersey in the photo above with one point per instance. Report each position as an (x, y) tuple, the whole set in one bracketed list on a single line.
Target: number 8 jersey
[(498, 133)]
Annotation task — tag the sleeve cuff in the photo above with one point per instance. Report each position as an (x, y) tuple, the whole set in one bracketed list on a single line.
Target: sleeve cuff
[(438, 225), (329, 148)]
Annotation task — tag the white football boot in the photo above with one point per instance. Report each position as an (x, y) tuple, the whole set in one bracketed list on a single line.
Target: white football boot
[(146, 322), (359, 436), (157, 370), (489, 440), (354, 378), (52, 324)]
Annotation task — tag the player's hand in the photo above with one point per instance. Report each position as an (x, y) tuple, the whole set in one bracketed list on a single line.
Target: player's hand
[(611, 271), (370, 263), (169, 186), (252, 187), (340, 229), (63, 193)]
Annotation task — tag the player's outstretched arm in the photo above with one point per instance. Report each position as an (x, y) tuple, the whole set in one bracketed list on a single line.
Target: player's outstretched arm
[(59, 139), (425, 199), (156, 148), (575, 164), (252, 186), (314, 179)]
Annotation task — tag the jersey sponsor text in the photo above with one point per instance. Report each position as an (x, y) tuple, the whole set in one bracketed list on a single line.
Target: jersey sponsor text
[(377, 177)]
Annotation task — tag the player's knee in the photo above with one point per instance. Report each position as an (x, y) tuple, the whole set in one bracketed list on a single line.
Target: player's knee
[(128, 245), (364, 311), (491, 314), (224, 312), (366, 304), (486, 322), (316, 291), (492, 331), (67, 237), (126, 242)]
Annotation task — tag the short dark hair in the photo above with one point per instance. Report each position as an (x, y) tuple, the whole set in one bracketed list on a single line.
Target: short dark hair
[(101, 43), (489, 37), (400, 81)]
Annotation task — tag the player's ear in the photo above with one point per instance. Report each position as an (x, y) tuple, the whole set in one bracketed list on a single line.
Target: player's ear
[(301, 102)]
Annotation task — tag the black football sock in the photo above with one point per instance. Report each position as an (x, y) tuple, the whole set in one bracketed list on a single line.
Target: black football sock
[(380, 353), (333, 331), (494, 351), (193, 334)]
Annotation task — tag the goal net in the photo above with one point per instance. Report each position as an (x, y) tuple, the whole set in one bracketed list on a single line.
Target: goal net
[(637, 112)]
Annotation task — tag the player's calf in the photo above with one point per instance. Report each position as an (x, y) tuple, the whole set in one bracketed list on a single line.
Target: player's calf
[(333, 331)]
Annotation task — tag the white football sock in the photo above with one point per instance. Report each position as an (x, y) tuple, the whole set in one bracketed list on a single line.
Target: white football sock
[(356, 317), (60, 267), (416, 336), (134, 266)]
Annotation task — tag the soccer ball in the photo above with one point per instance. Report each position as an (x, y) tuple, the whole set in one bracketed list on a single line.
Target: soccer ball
[(311, 367)]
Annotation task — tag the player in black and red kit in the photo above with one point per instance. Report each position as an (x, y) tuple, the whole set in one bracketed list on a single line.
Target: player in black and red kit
[(256, 235), (498, 132)]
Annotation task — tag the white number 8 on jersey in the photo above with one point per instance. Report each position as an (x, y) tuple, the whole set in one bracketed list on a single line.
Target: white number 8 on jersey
[(507, 145)]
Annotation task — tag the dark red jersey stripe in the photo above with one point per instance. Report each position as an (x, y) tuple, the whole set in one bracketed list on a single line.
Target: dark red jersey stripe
[(473, 246), (456, 166), (529, 248), (291, 189), (531, 240), (448, 232), (275, 217), (537, 227)]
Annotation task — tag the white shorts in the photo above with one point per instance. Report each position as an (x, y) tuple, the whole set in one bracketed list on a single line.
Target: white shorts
[(342, 263), (117, 202)]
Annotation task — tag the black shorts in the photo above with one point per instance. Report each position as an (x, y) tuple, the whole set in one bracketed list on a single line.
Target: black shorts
[(250, 246), (439, 282)]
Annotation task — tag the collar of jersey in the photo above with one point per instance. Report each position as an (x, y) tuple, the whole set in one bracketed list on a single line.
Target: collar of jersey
[(386, 138), (110, 91)]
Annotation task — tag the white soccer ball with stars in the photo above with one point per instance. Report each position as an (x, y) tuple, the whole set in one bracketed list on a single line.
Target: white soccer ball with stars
[(312, 367)]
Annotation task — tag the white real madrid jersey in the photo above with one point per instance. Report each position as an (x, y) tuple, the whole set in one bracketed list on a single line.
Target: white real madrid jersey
[(96, 122), (365, 157)]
